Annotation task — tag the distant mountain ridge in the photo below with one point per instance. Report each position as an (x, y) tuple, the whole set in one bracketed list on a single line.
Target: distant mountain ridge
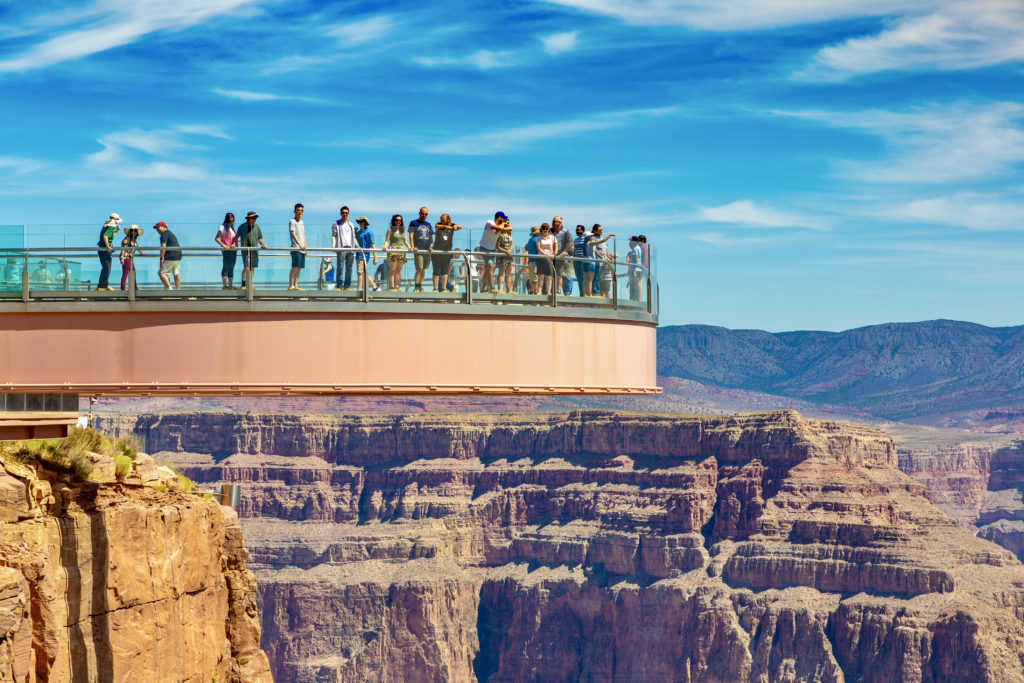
[(898, 371)]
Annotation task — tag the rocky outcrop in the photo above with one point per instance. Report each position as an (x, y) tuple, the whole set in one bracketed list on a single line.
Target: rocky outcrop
[(601, 546), (119, 582)]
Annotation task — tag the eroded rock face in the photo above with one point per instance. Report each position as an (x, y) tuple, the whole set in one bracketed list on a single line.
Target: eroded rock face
[(106, 582), (601, 546)]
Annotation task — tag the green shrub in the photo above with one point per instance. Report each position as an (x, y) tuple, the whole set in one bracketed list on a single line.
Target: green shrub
[(127, 446), (83, 439), (81, 465), (185, 483), (122, 465)]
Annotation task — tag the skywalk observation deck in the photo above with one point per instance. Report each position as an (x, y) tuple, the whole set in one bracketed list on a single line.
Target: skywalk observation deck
[(58, 334)]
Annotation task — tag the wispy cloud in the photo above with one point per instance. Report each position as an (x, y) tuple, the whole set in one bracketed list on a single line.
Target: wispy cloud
[(138, 153), (513, 138), (20, 165), (960, 35), (740, 15), (976, 211), (291, 64), (481, 59), (936, 144), (107, 24), (719, 239), (746, 212), (560, 42), (363, 31), (249, 96)]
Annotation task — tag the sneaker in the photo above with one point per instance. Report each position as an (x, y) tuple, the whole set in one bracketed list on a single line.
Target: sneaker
[(377, 288), (299, 289)]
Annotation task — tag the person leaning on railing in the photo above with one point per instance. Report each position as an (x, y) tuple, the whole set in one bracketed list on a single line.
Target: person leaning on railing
[(546, 245), (364, 242), (106, 247), (601, 283), (504, 247), (226, 237)]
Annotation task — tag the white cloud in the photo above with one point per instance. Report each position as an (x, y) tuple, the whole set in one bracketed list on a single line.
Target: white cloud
[(249, 96), (719, 239), (742, 15), (934, 144), (107, 24), (481, 59), (19, 165), (118, 145), (745, 212), (963, 209), (560, 42), (287, 65), (362, 32), (512, 138), (959, 35)]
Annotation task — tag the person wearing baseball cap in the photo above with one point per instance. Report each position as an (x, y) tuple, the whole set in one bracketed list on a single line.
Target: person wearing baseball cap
[(170, 257), (106, 248)]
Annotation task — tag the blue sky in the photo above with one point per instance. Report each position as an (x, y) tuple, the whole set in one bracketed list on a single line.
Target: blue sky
[(799, 164)]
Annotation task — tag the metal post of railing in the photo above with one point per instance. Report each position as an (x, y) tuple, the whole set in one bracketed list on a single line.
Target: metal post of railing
[(648, 291), (252, 272), (469, 277), (554, 286), (615, 285), (131, 282), (24, 279), (366, 275), (67, 273)]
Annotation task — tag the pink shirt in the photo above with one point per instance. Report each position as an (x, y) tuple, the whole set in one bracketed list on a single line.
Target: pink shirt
[(547, 244), (227, 235)]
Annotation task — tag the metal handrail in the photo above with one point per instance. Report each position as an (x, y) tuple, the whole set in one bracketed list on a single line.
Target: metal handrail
[(470, 260)]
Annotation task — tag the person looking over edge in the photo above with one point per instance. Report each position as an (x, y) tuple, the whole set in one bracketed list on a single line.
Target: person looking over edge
[(488, 243), (106, 247), (343, 236), (129, 246), (297, 234), (563, 249), (635, 258), (364, 240), (600, 279), (421, 234), (579, 253), (226, 237), (444, 231), (531, 261), (398, 248), (250, 235), (170, 257)]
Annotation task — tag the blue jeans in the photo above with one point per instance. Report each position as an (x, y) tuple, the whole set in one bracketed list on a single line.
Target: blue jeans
[(580, 269), (105, 260), (346, 257)]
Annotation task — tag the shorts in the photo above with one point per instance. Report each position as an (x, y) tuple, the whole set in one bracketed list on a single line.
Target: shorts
[(563, 267), (504, 260), (298, 259), (397, 257), (422, 260), (488, 255), (440, 263), (250, 259), (170, 268), (543, 267)]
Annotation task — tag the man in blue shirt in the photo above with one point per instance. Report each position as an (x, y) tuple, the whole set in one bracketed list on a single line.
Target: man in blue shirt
[(421, 234), (364, 240)]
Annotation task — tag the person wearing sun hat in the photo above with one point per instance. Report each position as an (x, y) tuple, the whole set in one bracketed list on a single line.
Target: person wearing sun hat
[(364, 241), (106, 248), (129, 245), (250, 235)]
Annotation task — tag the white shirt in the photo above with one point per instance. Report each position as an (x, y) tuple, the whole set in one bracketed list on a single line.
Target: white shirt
[(489, 240), (297, 231), (344, 233)]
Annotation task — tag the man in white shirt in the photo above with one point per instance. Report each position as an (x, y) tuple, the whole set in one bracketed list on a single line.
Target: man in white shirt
[(343, 236), (297, 234), (489, 245)]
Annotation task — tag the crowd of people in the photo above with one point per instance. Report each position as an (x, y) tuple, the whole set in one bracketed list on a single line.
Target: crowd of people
[(549, 262)]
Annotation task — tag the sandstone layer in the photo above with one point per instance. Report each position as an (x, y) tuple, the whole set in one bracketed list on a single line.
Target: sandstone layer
[(114, 582), (600, 546)]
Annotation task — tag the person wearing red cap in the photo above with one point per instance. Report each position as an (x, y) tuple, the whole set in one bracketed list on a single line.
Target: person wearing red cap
[(170, 257)]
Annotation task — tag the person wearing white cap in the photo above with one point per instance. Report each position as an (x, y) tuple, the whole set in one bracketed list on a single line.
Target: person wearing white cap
[(106, 248)]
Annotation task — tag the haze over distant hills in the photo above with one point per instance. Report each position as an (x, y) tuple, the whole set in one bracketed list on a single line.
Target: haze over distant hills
[(924, 371)]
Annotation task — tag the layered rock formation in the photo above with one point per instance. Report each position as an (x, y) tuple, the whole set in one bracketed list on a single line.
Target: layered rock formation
[(601, 546), (115, 582)]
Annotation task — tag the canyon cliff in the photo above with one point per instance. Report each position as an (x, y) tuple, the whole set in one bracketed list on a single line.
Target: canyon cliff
[(600, 546), (107, 581)]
